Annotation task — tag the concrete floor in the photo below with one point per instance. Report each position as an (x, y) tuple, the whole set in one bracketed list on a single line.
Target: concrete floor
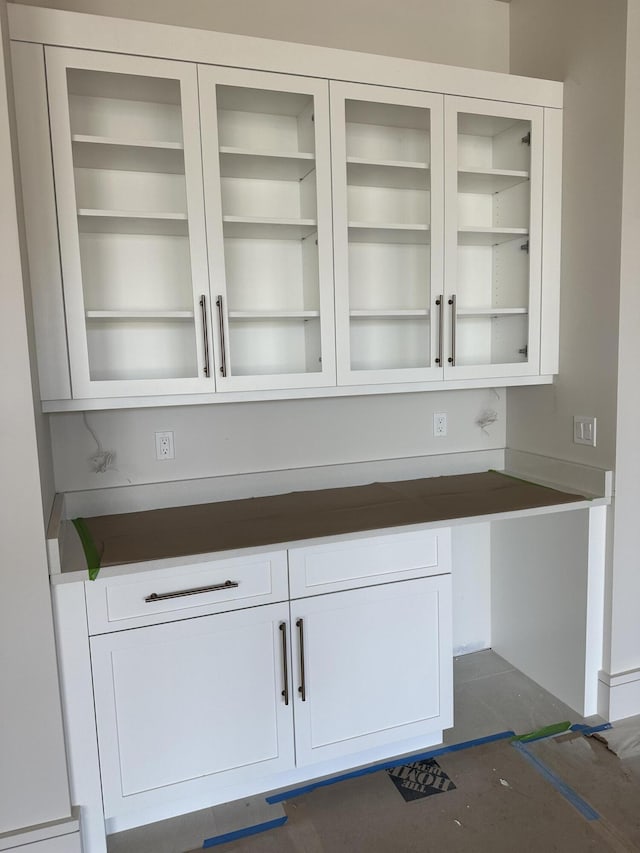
[(490, 696)]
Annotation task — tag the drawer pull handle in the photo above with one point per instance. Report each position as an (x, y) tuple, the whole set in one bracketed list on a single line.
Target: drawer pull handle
[(302, 690), (160, 596), (285, 666)]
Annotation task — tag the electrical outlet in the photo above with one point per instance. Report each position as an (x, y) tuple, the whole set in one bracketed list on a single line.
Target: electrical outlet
[(584, 430), (164, 446), (440, 424)]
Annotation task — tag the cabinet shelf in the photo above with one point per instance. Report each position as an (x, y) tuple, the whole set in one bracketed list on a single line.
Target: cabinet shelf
[(489, 180), (391, 314), (92, 220), (271, 229), (139, 315), (397, 174), (284, 166), (488, 236), (490, 312), (388, 232), (273, 315), (127, 154)]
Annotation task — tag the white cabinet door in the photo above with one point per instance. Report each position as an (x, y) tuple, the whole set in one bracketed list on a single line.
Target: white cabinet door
[(388, 237), (493, 237), (188, 707), (128, 177), (268, 197), (372, 666)]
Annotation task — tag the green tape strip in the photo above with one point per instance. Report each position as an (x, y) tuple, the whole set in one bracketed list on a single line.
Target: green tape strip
[(89, 546), (545, 731)]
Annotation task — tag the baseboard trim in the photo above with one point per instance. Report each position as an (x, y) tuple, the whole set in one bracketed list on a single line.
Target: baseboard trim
[(41, 833), (619, 694)]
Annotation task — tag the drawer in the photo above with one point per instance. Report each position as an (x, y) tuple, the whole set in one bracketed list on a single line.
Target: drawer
[(197, 588), (365, 562)]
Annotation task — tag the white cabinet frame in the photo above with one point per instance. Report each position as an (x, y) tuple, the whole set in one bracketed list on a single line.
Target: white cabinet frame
[(58, 61), (209, 78)]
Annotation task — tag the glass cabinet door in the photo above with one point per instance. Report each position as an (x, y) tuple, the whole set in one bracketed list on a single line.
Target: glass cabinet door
[(493, 236), (268, 202), (388, 199), (127, 165)]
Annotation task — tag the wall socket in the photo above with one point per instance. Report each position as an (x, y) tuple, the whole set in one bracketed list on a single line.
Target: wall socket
[(440, 424), (584, 430), (164, 446)]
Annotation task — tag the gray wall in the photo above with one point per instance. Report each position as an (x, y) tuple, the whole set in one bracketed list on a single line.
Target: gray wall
[(471, 33), (588, 44)]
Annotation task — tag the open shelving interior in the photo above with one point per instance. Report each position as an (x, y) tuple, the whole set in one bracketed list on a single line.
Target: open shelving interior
[(129, 171), (389, 215), (269, 214), (493, 239)]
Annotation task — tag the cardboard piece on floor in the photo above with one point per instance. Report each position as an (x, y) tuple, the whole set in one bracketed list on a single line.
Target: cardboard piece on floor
[(623, 738), (190, 831), (254, 522), (501, 803)]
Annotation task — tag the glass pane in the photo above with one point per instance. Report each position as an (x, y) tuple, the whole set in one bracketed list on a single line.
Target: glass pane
[(493, 240), (129, 173), (269, 209), (389, 214)]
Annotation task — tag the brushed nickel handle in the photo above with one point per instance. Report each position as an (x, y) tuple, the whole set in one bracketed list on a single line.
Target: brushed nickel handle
[(205, 334), (223, 354), (454, 319), (161, 596), (285, 665), (440, 328), (302, 690)]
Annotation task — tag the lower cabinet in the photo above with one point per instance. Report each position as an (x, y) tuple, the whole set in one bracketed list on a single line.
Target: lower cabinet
[(197, 703), (182, 705), (377, 667)]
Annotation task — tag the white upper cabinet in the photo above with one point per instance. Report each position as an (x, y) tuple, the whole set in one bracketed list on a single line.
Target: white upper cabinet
[(268, 201), (388, 232), (234, 234), (493, 238), (127, 165)]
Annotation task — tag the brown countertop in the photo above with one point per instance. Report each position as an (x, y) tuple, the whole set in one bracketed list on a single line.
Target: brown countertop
[(254, 522)]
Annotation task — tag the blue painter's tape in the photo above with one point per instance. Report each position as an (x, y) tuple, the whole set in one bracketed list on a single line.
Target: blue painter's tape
[(243, 833), (568, 793), (386, 765), (590, 730)]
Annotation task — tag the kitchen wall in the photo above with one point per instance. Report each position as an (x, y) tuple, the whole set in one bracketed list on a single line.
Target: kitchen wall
[(591, 46), (472, 33), (240, 438)]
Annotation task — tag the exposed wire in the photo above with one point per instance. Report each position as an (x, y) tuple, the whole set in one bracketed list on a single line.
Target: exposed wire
[(486, 418), (102, 460)]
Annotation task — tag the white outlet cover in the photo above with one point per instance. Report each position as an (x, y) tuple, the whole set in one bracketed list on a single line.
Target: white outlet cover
[(164, 446)]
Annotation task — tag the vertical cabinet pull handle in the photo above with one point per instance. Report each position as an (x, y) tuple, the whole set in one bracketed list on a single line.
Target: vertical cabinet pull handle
[(285, 665), (302, 690), (205, 334), (440, 328), (223, 354), (454, 319)]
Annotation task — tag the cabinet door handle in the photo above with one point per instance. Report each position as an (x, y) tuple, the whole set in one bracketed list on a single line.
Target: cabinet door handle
[(302, 690), (440, 327), (223, 354), (285, 665), (161, 596), (454, 319), (205, 334)]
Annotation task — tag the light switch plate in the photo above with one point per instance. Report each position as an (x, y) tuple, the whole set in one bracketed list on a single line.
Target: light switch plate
[(584, 430)]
